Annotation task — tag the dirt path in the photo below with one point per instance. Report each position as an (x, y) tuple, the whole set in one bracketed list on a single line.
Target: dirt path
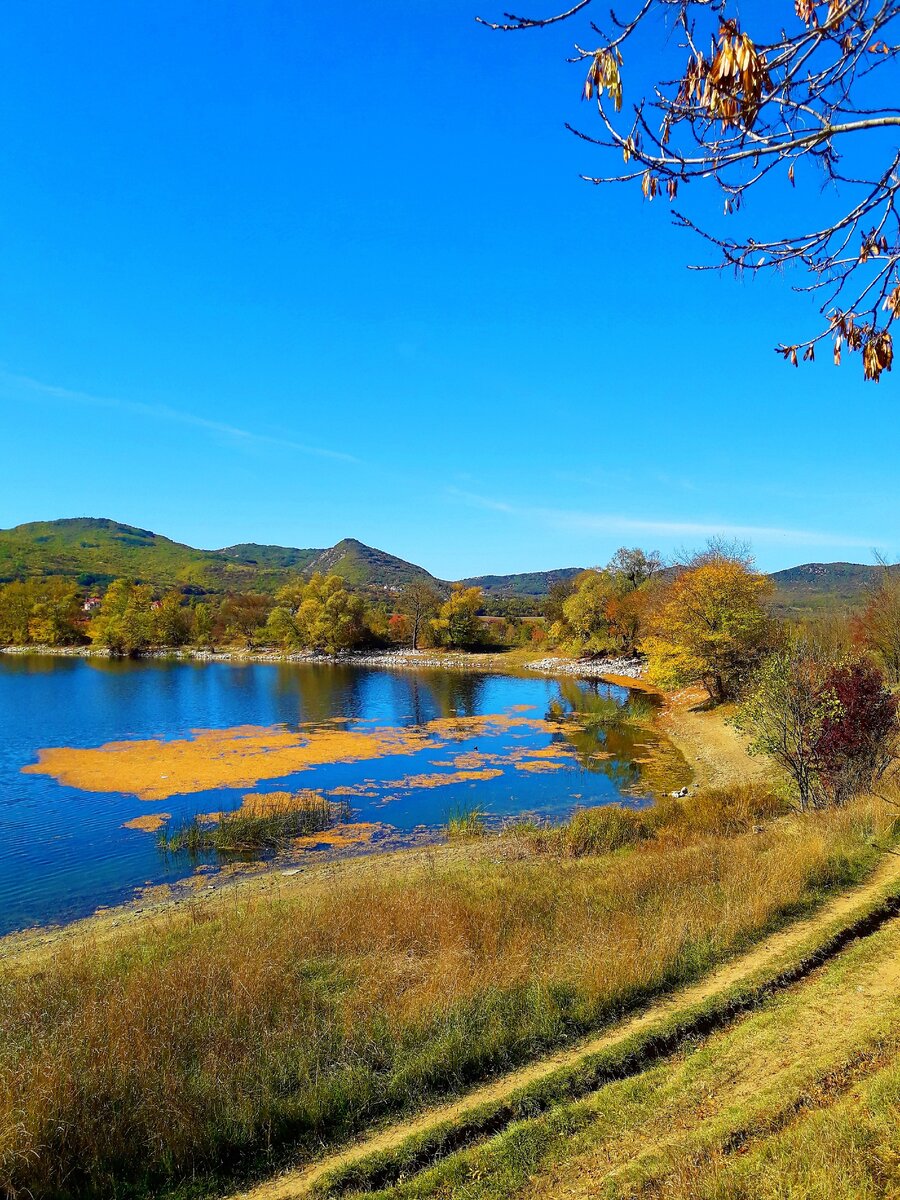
[(799, 1055), (769, 953), (715, 750)]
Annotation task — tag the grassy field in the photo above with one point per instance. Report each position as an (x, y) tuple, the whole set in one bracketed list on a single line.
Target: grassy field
[(797, 1099), (218, 1037)]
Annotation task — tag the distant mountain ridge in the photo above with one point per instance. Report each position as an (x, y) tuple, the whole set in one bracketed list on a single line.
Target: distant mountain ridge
[(95, 550)]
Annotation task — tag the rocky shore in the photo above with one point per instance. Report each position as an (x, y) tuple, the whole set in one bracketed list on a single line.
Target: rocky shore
[(628, 668)]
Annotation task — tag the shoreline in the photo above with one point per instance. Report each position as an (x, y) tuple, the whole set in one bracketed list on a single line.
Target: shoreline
[(154, 899), (401, 660)]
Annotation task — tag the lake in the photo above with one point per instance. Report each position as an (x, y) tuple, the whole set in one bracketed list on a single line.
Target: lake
[(88, 746)]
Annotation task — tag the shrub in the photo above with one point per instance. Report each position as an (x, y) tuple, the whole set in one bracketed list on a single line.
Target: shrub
[(603, 829)]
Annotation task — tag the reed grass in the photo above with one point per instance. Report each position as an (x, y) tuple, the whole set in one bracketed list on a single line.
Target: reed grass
[(466, 823), (255, 827), (215, 1036)]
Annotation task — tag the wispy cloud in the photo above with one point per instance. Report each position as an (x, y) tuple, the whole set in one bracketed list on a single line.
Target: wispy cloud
[(574, 520), (22, 385)]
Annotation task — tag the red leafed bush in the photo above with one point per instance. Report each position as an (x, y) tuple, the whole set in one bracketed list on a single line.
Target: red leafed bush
[(857, 736)]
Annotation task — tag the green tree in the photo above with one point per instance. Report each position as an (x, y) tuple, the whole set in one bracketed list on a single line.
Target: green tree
[(124, 622), (457, 624), (418, 602), (16, 600), (54, 613), (321, 614), (783, 713), (634, 567)]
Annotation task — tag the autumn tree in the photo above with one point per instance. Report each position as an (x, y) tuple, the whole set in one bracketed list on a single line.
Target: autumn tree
[(831, 726), (713, 625), (53, 620), (418, 602), (240, 617), (457, 624), (606, 611), (171, 621), (857, 737), (877, 627), (202, 624), (16, 599), (749, 100), (321, 614), (40, 612)]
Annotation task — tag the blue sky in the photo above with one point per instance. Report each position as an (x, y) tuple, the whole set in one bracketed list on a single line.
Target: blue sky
[(275, 273)]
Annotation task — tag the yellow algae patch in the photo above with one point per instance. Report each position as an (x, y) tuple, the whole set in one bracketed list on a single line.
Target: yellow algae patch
[(486, 725), (520, 708), (351, 834), (213, 758), (151, 823), (555, 750), (242, 756), (541, 764), (438, 780), (475, 760)]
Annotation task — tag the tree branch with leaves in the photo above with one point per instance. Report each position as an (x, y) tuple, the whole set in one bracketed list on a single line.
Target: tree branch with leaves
[(795, 86)]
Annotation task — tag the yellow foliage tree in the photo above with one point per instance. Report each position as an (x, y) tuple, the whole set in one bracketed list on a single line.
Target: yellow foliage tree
[(713, 625), (457, 624)]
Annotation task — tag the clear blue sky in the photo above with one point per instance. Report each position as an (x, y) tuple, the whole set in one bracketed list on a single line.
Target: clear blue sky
[(285, 272)]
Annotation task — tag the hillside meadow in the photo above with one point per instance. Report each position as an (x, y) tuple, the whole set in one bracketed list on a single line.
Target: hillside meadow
[(222, 1037)]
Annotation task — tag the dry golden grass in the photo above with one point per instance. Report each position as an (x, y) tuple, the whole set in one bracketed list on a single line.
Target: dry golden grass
[(301, 1014)]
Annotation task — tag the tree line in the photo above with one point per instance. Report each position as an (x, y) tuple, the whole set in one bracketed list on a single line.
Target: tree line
[(817, 697), (318, 614)]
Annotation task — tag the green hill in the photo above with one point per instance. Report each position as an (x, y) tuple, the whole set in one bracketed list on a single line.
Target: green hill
[(527, 583), (813, 586), (95, 550), (364, 566)]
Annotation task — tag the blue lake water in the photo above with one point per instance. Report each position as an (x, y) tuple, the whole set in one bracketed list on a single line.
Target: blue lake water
[(63, 850)]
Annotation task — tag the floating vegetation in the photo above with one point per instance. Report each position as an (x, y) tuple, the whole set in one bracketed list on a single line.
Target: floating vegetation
[(155, 769), (264, 822), (358, 833), (150, 823)]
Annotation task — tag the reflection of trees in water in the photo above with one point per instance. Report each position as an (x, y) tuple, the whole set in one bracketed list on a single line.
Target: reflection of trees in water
[(316, 693), (36, 664), (588, 698), (604, 738), (617, 748), (449, 693)]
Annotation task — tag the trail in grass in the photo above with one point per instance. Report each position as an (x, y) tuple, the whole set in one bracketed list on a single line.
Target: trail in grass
[(801, 1053), (767, 954)]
